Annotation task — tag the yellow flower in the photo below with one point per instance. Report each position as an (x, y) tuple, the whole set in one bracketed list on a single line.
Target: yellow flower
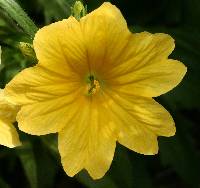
[(94, 84), (8, 134)]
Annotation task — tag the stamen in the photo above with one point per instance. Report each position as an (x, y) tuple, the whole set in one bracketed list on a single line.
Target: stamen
[(93, 86)]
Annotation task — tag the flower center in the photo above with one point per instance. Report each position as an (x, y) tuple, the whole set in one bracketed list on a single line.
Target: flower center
[(93, 85)]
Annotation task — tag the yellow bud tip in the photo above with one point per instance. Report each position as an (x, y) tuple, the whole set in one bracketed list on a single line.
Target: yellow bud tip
[(27, 49)]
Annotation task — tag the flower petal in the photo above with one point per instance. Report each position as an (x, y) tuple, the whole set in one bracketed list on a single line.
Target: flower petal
[(88, 142), (141, 49), (151, 80), (47, 99), (140, 120), (39, 84), (8, 134), (105, 32), (143, 68), (142, 141), (48, 116), (8, 110), (59, 47)]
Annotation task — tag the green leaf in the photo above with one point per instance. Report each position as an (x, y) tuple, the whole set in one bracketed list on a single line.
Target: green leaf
[(28, 161), (17, 14), (51, 142), (141, 174), (47, 165), (122, 167), (179, 153), (12, 62), (3, 184), (56, 10), (86, 180)]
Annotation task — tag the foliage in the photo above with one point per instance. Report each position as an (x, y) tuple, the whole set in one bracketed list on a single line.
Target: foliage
[(37, 165)]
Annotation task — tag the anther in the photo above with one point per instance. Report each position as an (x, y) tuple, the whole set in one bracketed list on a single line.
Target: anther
[(93, 85)]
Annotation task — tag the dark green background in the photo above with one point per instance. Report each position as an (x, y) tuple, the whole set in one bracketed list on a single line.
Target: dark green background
[(37, 164)]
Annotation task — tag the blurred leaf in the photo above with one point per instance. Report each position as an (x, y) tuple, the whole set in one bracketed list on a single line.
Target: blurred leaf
[(3, 184), (50, 141), (86, 180), (47, 166), (39, 165), (179, 153), (17, 14), (10, 65), (122, 167), (56, 10), (94, 4), (191, 12), (28, 161), (141, 174)]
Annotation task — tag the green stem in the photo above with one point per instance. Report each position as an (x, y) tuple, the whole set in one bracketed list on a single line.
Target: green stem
[(18, 14)]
